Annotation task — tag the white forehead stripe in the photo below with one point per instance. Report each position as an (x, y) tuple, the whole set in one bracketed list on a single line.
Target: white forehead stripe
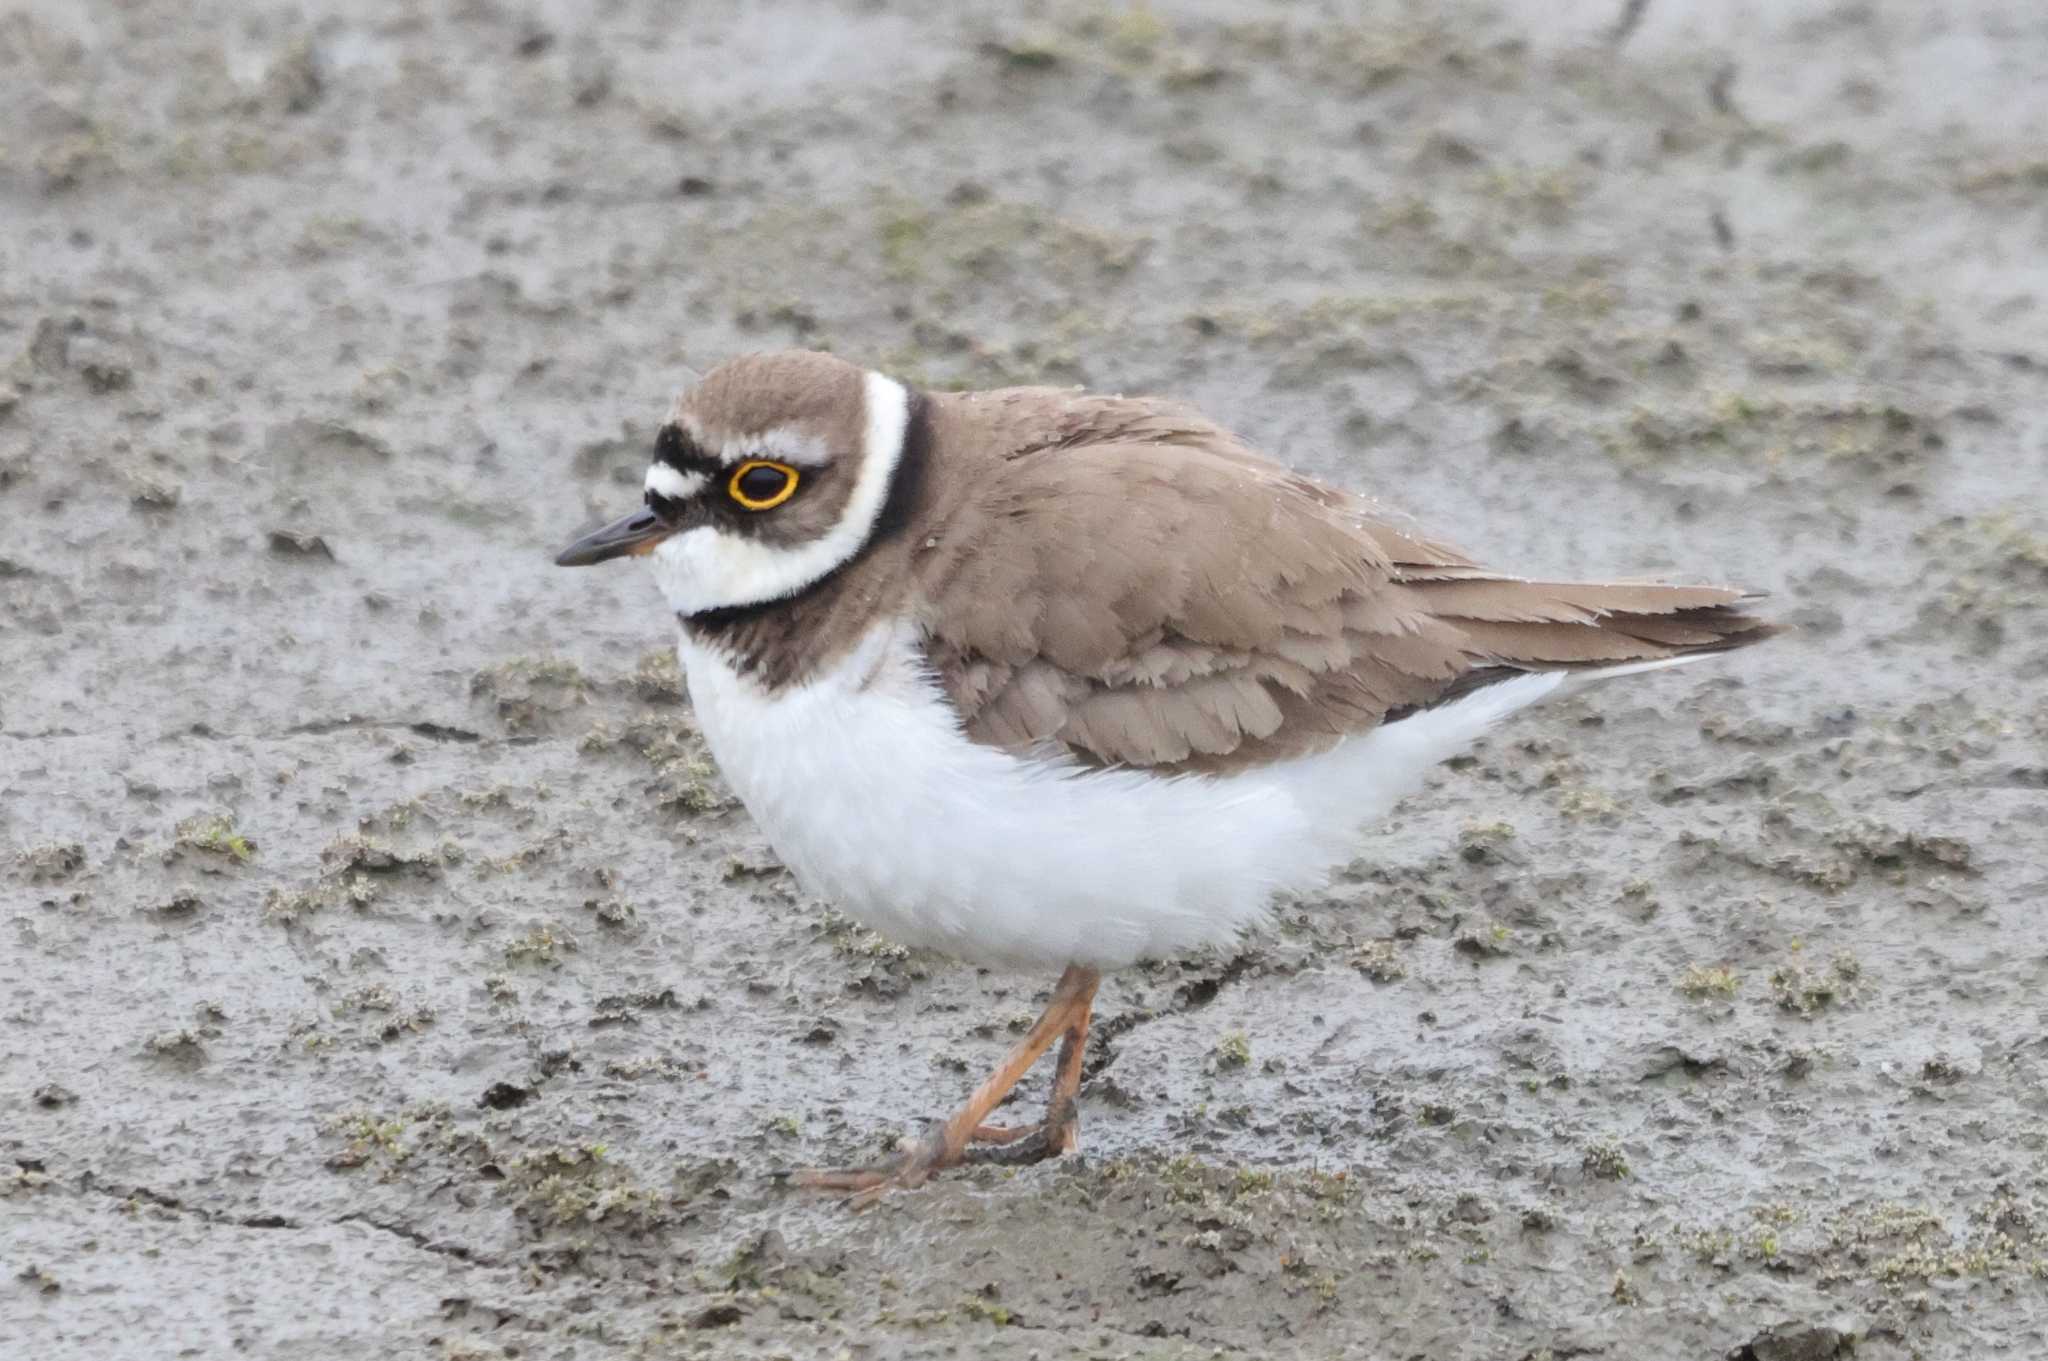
[(703, 569), (782, 444), (663, 480)]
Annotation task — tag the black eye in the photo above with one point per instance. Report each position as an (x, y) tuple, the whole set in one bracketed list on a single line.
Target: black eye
[(760, 484)]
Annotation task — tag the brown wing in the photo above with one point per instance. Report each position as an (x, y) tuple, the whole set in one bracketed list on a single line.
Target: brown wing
[(1166, 598)]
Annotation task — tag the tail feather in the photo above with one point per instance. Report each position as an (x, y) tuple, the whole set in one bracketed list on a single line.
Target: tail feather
[(1543, 626), (1509, 600), (1587, 630)]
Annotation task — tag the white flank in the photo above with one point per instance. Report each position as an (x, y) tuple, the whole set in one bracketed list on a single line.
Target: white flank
[(663, 480), (704, 569), (868, 790)]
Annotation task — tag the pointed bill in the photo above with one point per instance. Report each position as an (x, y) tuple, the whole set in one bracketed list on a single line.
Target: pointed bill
[(627, 536)]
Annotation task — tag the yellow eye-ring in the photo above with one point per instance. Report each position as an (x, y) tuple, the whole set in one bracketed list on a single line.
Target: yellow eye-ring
[(762, 484)]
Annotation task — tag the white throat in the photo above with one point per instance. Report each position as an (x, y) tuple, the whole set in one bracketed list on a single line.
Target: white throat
[(704, 569)]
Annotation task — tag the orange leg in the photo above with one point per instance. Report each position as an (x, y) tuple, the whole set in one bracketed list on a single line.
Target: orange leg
[(1065, 1017), (1059, 1132)]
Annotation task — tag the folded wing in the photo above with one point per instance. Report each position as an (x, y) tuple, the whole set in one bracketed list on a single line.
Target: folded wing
[(1167, 598)]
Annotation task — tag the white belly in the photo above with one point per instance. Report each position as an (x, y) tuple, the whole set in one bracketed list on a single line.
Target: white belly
[(866, 787)]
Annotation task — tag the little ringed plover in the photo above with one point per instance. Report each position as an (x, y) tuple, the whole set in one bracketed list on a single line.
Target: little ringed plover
[(1046, 679)]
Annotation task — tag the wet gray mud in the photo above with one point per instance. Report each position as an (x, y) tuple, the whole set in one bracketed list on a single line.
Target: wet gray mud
[(387, 972)]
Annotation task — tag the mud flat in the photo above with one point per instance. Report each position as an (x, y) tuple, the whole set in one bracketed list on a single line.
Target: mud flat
[(388, 973)]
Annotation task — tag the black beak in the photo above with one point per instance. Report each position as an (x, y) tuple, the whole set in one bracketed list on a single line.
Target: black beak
[(629, 535)]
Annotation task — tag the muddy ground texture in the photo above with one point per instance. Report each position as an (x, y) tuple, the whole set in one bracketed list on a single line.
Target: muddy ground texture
[(387, 972)]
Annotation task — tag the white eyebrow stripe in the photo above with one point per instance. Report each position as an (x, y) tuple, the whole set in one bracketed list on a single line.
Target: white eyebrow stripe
[(784, 444), (663, 480)]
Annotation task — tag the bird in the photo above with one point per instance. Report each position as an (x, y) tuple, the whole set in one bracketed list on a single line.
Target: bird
[(1044, 679)]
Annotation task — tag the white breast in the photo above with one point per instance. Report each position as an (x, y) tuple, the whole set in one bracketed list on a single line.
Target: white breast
[(868, 790)]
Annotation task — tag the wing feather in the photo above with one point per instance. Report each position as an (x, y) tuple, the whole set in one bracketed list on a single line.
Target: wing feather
[(1140, 588)]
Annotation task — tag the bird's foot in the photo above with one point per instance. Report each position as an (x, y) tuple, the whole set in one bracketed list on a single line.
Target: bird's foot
[(1002, 1146), (947, 1144), (1022, 1145), (909, 1169)]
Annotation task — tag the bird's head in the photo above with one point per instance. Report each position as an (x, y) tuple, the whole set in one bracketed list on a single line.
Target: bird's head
[(770, 473)]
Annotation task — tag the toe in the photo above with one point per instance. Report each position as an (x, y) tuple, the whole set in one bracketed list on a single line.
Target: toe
[(834, 1178)]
